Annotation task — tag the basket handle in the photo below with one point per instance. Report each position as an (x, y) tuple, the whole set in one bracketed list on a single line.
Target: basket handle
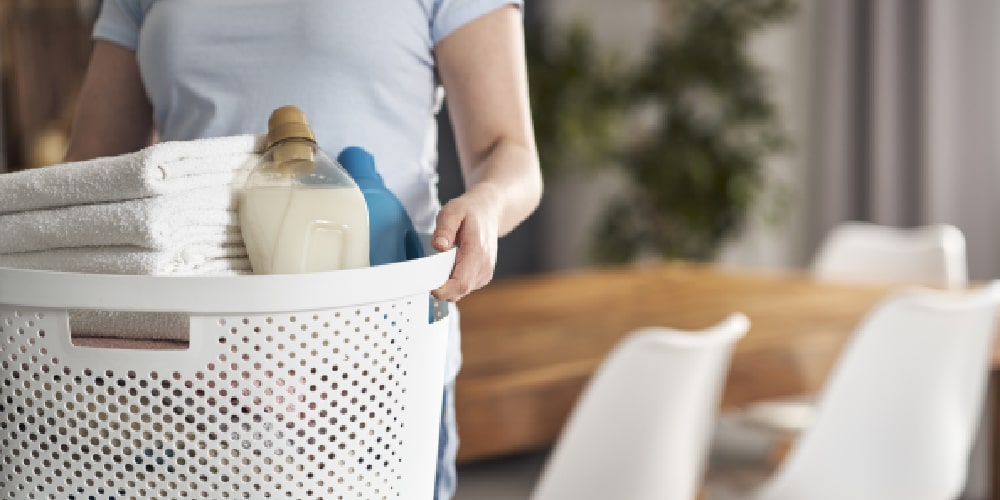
[(56, 335), (201, 346)]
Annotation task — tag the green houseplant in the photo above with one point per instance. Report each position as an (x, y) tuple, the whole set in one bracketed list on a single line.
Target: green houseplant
[(699, 168), (579, 95)]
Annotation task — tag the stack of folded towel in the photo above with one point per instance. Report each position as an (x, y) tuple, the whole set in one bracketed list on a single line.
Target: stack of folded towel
[(169, 209)]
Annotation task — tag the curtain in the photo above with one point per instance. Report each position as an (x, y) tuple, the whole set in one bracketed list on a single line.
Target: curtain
[(906, 119), (907, 128)]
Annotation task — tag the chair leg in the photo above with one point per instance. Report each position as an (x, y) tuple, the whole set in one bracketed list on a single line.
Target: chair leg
[(782, 446)]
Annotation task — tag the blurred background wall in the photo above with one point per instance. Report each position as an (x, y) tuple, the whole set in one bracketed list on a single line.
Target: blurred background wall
[(906, 120)]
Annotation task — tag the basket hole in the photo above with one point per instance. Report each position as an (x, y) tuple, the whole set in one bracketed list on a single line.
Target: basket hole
[(129, 330)]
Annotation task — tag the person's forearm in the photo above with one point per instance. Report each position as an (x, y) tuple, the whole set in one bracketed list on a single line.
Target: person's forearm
[(509, 177), (483, 71), (113, 115)]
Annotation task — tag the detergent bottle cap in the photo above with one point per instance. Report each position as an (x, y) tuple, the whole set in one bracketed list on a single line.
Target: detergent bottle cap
[(291, 140), (288, 122)]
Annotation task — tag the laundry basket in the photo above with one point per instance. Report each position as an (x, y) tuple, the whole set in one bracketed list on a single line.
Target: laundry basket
[(324, 385)]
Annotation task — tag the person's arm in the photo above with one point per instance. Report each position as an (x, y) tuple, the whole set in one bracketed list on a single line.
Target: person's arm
[(113, 115), (482, 68)]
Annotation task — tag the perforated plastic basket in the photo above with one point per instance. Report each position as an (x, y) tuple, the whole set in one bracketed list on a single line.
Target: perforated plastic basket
[(324, 385)]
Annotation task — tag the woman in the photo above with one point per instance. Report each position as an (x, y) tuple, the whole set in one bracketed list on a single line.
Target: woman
[(366, 73)]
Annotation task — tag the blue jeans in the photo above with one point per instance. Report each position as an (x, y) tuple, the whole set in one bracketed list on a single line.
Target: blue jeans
[(444, 480)]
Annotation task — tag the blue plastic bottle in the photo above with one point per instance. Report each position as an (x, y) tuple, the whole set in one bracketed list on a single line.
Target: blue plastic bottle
[(393, 238)]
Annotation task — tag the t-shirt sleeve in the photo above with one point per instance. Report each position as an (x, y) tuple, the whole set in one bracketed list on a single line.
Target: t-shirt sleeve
[(119, 22), (450, 15)]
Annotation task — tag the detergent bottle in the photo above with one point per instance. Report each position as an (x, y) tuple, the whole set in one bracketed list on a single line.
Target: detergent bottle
[(392, 237), (300, 211)]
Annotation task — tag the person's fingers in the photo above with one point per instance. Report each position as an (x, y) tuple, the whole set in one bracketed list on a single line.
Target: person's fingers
[(463, 275), (473, 265), (449, 220)]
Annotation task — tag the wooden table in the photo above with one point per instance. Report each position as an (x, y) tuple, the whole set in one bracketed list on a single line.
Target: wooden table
[(530, 344)]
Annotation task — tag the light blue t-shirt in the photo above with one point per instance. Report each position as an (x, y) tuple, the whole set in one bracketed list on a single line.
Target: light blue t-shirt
[(362, 70)]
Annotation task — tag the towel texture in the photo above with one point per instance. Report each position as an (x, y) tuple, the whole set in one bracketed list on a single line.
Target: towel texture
[(163, 168), (205, 216), (188, 260), (129, 325)]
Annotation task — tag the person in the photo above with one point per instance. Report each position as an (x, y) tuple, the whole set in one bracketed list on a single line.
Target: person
[(366, 73)]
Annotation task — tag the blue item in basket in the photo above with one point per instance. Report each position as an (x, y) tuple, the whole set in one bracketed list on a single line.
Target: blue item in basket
[(393, 238)]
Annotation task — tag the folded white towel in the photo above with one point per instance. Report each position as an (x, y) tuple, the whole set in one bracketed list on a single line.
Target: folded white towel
[(182, 261), (163, 168), (205, 216)]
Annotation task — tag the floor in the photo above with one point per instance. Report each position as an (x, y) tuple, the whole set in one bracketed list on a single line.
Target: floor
[(510, 478), (513, 478), (738, 463)]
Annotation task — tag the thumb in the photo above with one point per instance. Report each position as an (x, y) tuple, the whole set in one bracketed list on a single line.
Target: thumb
[(449, 220)]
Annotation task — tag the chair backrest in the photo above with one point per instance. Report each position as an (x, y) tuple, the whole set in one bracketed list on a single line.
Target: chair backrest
[(897, 417), (933, 254), (640, 430)]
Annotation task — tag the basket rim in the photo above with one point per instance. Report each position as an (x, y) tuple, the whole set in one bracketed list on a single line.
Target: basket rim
[(225, 294)]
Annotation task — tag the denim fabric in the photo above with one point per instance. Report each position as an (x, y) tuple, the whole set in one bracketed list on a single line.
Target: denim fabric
[(444, 480)]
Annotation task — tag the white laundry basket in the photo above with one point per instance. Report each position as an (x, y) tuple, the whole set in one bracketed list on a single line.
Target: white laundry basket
[(323, 385)]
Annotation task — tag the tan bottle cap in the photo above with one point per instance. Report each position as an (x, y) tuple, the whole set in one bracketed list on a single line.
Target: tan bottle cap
[(292, 157), (288, 122)]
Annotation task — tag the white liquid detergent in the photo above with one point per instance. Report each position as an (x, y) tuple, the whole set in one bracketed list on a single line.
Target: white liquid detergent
[(300, 211), (305, 230)]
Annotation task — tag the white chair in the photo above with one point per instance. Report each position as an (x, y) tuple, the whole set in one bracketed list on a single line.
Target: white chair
[(862, 251), (932, 254), (641, 428), (897, 417)]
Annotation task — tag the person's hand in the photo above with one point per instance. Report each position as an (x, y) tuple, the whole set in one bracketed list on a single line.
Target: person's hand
[(470, 221)]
